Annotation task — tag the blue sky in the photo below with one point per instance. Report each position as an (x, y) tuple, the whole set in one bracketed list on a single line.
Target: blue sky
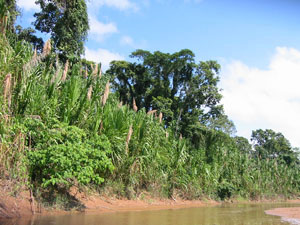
[(257, 42)]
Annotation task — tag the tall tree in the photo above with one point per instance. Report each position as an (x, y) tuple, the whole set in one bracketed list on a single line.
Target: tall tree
[(171, 83), (28, 34), (67, 22), (271, 145), (243, 144)]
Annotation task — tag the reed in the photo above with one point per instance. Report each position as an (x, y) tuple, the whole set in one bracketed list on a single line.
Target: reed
[(46, 49), (95, 70), (7, 89), (135, 108), (35, 54), (89, 93), (64, 76), (86, 73), (106, 93), (151, 112), (100, 73), (130, 131), (160, 117), (120, 104)]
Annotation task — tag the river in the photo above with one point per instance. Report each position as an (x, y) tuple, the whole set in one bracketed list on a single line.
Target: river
[(231, 214)]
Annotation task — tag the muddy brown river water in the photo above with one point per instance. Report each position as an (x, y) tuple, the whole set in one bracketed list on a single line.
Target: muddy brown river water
[(231, 214)]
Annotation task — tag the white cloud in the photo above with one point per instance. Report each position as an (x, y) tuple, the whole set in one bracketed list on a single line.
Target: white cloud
[(28, 5), (119, 4), (102, 55), (266, 99), (98, 30), (126, 40)]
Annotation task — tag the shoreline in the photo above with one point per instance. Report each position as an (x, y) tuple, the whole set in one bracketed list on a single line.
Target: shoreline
[(289, 214), (23, 206)]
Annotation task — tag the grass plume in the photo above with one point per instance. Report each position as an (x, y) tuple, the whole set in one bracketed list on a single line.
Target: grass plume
[(47, 48), (106, 93), (135, 108), (160, 117), (64, 77), (130, 131), (89, 94), (7, 89), (151, 112)]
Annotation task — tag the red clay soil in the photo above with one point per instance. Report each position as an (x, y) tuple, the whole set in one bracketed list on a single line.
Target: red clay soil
[(14, 206), (20, 204), (101, 204), (290, 213)]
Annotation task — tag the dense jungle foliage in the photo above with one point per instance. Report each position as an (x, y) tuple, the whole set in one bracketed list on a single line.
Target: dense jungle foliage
[(154, 125)]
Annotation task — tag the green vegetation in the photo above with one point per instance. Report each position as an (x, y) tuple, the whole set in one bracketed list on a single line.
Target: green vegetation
[(67, 22), (61, 126)]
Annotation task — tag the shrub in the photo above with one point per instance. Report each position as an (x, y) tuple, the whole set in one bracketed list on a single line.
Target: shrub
[(70, 158)]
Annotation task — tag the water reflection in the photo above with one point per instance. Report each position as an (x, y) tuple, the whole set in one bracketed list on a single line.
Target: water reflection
[(226, 214)]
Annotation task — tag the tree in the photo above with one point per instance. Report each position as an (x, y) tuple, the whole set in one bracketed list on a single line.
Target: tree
[(271, 145), (170, 83), (222, 123), (67, 22), (243, 144), (28, 34)]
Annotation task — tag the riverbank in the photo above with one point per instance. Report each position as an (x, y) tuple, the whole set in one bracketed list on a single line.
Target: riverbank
[(23, 204), (288, 214)]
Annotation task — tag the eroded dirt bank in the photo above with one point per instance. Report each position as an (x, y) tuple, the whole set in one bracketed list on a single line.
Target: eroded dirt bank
[(22, 204)]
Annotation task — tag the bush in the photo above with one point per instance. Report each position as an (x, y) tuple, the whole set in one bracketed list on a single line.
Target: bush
[(70, 158)]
